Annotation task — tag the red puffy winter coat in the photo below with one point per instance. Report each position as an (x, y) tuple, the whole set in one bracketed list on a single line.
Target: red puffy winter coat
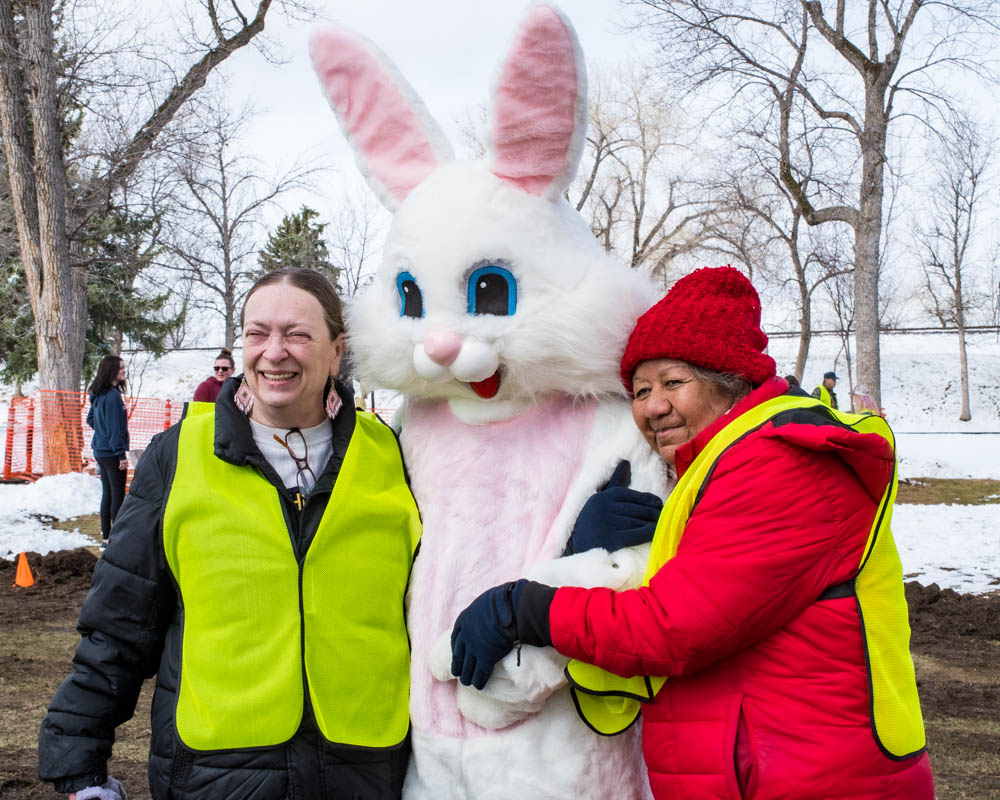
[(768, 693)]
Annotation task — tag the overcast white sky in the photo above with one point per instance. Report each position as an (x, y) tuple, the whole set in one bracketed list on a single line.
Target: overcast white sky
[(447, 49)]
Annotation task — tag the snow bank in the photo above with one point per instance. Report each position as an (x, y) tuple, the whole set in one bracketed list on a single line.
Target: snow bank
[(952, 546), (25, 509)]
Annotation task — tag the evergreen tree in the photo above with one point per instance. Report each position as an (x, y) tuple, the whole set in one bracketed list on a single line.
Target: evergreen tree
[(118, 312), (116, 247), (120, 250), (17, 324), (18, 362), (298, 242)]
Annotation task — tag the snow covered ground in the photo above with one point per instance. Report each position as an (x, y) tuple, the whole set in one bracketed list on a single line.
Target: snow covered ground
[(25, 510), (953, 546)]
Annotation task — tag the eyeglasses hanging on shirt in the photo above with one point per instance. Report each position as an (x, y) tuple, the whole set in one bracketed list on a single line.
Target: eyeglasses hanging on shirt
[(295, 443)]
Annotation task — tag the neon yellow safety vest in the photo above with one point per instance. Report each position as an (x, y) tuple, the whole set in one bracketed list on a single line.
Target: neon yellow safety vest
[(824, 396), (609, 704), (260, 627), (192, 407)]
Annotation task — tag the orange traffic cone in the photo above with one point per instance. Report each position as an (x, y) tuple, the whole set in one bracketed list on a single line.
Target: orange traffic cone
[(23, 577)]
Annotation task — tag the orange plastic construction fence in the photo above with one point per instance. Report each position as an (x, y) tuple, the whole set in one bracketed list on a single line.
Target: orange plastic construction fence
[(47, 433)]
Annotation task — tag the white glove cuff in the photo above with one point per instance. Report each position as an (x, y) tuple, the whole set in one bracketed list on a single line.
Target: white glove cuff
[(111, 789)]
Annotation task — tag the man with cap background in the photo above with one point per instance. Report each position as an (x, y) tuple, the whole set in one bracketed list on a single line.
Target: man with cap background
[(824, 392)]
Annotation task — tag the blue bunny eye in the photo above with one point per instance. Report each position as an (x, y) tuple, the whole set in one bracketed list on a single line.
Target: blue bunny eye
[(411, 300), (492, 290)]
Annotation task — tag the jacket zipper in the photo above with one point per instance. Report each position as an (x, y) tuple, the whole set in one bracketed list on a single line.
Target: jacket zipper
[(509, 599)]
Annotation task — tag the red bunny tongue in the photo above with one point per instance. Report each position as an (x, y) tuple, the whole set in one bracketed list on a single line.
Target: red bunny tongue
[(487, 388)]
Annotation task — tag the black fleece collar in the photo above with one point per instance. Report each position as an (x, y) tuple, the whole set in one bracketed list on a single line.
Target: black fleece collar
[(234, 441)]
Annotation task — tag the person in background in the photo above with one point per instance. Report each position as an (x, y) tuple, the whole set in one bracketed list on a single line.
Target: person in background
[(109, 421), (863, 402), (824, 392), (769, 640), (258, 570), (794, 387), (208, 390)]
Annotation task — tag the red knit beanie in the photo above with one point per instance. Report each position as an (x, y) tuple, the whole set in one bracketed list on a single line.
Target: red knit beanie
[(710, 318)]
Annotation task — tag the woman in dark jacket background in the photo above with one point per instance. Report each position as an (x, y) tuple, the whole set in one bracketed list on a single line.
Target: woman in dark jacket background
[(109, 421)]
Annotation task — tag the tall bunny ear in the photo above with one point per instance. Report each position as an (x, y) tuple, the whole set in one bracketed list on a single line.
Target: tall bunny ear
[(540, 106), (396, 141)]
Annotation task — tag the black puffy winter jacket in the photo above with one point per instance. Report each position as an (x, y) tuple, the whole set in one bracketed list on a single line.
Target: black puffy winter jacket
[(131, 627)]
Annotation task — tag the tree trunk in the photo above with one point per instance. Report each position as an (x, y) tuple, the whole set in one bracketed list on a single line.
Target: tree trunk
[(229, 295), (850, 380), (61, 319), (805, 306), (805, 338), (61, 316), (805, 333), (963, 364), (38, 188), (17, 151), (867, 242), (230, 327)]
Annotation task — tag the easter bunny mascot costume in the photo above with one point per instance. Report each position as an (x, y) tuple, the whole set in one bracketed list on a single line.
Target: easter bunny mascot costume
[(502, 322)]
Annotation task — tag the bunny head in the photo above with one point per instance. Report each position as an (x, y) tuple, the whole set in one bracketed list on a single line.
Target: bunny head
[(492, 291)]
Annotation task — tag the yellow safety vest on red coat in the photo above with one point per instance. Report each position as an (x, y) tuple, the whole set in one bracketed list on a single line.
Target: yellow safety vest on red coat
[(609, 703)]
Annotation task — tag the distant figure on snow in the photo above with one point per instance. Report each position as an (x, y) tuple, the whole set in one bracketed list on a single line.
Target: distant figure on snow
[(209, 388), (863, 401), (824, 392)]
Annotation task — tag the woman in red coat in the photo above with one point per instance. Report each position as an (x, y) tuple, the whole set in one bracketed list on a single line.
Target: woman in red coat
[(769, 644)]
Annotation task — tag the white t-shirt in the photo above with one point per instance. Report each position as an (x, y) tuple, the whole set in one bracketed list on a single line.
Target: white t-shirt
[(319, 448)]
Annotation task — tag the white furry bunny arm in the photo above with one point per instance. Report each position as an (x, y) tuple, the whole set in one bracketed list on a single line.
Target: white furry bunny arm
[(613, 439), (520, 685), (512, 693), (514, 690)]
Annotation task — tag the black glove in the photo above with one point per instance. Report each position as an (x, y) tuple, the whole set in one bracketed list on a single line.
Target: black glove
[(615, 516), (484, 633)]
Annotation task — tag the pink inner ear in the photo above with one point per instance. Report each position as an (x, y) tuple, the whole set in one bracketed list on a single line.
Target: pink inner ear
[(380, 119), (534, 110)]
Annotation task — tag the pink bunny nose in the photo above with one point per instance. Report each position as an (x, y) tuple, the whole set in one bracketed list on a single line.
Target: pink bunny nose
[(442, 346)]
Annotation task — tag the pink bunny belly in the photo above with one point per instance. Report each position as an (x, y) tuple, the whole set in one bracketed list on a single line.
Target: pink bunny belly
[(488, 495)]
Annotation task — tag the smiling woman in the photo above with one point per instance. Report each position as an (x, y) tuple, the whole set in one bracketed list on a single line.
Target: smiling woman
[(208, 390), (260, 524), (675, 401), (293, 343)]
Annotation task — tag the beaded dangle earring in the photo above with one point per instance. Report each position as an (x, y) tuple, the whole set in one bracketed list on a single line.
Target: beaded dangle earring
[(333, 403), (244, 398)]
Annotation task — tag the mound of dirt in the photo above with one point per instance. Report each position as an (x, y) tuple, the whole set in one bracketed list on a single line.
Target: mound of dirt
[(937, 613), (68, 569), (61, 582)]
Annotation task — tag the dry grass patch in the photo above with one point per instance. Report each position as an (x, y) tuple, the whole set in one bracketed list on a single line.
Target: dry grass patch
[(88, 524), (948, 491)]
